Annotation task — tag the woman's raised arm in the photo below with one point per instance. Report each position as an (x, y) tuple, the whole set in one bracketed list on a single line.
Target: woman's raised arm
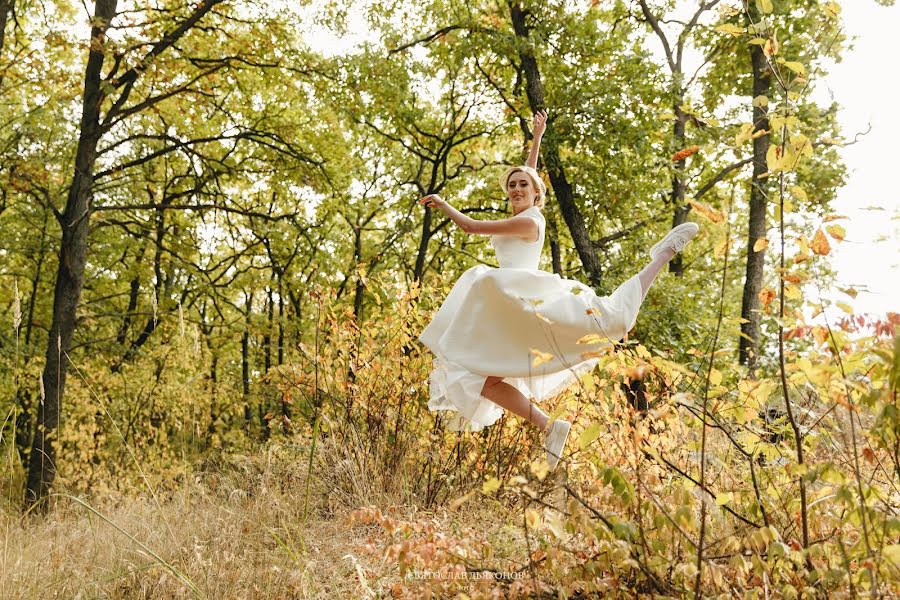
[(537, 130)]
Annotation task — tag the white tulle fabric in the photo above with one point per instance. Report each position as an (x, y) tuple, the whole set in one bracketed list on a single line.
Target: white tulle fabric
[(492, 319)]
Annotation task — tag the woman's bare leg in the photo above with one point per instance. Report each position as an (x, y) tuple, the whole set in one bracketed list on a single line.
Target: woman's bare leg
[(512, 400), (648, 274)]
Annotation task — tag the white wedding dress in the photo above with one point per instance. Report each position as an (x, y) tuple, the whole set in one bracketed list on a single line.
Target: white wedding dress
[(495, 322)]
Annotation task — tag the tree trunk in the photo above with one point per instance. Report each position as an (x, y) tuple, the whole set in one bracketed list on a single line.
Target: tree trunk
[(562, 189), (750, 304), (679, 212), (245, 364), (419, 269), (555, 256), (70, 273), (6, 8)]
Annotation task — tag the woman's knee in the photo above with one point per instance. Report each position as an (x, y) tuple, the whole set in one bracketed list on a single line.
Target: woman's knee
[(491, 381)]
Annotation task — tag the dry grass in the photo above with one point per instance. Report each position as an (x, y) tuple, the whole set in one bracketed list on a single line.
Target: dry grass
[(237, 530)]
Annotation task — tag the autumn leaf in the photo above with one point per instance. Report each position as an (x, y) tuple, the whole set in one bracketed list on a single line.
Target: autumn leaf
[(819, 243), (766, 295), (730, 29), (832, 9), (684, 153), (540, 357), (760, 244), (764, 6), (591, 338), (744, 134), (708, 212), (490, 486), (836, 231), (590, 434)]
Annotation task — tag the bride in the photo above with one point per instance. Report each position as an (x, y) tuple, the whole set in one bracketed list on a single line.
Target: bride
[(505, 335)]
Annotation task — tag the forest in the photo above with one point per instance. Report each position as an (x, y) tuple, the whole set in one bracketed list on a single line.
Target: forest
[(214, 270)]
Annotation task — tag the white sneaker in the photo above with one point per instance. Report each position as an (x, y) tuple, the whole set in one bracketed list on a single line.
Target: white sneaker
[(555, 441), (676, 239)]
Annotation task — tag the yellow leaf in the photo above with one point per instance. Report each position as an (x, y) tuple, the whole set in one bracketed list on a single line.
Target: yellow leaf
[(795, 66), (730, 29), (892, 553), (723, 499), (774, 158), (798, 192), (591, 338), (708, 212), (836, 231), (770, 48), (722, 246), (761, 101), (792, 292), (845, 307), (760, 244), (744, 134), (830, 218), (540, 357), (490, 486), (819, 244), (832, 9), (539, 468), (532, 518), (715, 377), (850, 292), (590, 434), (764, 6)]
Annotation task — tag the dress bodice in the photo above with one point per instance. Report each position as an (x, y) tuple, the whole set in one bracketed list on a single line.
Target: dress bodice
[(515, 253)]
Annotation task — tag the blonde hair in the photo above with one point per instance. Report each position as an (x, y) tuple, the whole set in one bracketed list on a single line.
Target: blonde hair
[(536, 181)]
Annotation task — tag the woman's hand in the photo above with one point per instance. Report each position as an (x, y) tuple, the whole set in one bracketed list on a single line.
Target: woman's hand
[(539, 124), (433, 201)]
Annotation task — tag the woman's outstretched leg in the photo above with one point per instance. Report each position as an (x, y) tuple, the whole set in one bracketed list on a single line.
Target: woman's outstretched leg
[(505, 395), (649, 273)]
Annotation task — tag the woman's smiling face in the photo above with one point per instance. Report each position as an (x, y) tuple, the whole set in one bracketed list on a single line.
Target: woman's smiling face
[(521, 191)]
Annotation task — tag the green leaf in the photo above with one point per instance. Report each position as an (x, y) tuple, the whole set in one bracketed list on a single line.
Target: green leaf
[(589, 435)]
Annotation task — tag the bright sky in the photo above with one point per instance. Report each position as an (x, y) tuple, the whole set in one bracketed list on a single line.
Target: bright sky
[(869, 258)]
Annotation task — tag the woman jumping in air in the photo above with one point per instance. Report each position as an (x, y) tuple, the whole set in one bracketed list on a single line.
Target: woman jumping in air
[(504, 335)]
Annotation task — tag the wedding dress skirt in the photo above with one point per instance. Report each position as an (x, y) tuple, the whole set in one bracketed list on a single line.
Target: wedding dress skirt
[(528, 326)]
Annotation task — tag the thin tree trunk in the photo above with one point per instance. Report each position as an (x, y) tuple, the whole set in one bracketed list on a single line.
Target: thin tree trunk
[(133, 295), (562, 189), (679, 211), (555, 256), (419, 268), (70, 273), (245, 364), (750, 304), (6, 8)]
